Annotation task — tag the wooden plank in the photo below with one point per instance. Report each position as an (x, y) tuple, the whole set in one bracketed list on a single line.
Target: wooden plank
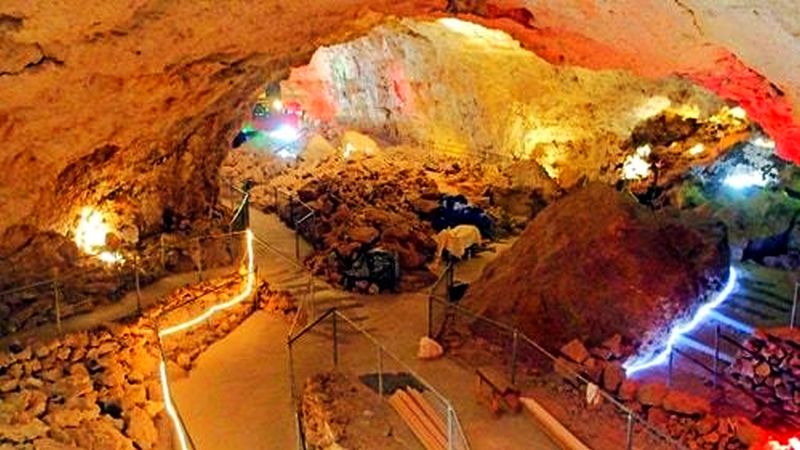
[(429, 425), (558, 432), (428, 409), (413, 423)]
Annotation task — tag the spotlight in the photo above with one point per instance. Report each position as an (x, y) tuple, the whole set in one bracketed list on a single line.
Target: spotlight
[(743, 180), (285, 133)]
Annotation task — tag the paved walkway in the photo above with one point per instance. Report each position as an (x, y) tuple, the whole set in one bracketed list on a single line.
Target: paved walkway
[(238, 395)]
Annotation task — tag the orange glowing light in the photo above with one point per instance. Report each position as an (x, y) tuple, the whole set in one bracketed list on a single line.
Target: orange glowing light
[(248, 290), (222, 306), (170, 407)]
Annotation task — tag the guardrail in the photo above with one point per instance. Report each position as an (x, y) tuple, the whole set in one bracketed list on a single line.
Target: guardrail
[(445, 315), (299, 215), (354, 351)]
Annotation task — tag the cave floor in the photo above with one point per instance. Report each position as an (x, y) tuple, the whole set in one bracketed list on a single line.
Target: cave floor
[(238, 395)]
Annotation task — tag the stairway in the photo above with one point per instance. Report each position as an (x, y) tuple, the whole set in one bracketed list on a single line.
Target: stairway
[(275, 252), (755, 303)]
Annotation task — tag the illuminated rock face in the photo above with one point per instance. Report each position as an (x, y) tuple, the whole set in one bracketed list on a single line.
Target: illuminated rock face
[(136, 102), (455, 86), (579, 271)]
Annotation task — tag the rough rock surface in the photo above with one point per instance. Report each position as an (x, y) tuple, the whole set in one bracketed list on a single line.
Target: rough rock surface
[(646, 270), (382, 200), (340, 412), (97, 389), (409, 81), (137, 101), (768, 366)]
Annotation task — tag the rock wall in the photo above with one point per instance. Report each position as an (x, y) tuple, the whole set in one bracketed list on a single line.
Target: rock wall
[(96, 389), (134, 103)]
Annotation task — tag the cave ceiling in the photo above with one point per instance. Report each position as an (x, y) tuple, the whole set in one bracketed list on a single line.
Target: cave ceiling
[(135, 102)]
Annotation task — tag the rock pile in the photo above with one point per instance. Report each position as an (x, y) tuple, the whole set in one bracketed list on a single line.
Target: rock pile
[(31, 258), (380, 199), (101, 389), (685, 417), (768, 365), (97, 389), (340, 412)]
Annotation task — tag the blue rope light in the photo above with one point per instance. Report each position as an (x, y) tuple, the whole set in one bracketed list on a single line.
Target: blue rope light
[(634, 365)]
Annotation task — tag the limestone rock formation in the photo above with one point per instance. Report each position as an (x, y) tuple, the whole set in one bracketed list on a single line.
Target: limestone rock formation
[(112, 101), (456, 88), (597, 263)]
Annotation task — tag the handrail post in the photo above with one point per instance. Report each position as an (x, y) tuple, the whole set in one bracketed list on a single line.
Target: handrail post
[(514, 349), (138, 285), (335, 343), (629, 431), (199, 260), (450, 426), (57, 301), (716, 355), (430, 316), (380, 371)]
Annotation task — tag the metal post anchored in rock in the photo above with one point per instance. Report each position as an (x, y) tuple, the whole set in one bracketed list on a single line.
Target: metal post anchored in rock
[(57, 302), (629, 432), (138, 284)]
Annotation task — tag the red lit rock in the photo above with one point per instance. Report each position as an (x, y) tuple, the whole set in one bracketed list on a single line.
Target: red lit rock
[(687, 404), (575, 351), (652, 394)]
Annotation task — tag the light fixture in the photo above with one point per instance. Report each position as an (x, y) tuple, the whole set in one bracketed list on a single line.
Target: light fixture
[(277, 105), (636, 166), (284, 133), (91, 233), (697, 149), (737, 112), (636, 364), (743, 180)]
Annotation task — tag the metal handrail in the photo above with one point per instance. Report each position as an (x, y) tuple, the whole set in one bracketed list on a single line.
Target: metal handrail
[(166, 246), (335, 313), (572, 373)]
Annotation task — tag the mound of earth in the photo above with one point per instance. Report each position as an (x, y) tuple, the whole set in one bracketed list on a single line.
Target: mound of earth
[(597, 263)]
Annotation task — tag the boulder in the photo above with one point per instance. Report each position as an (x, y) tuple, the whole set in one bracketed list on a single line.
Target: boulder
[(20, 433), (575, 351), (580, 271), (613, 376), (686, 404), (628, 389), (51, 444), (363, 235), (142, 429), (429, 349), (652, 394)]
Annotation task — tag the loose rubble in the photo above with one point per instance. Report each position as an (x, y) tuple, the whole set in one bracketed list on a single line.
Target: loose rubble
[(685, 417), (340, 412), (100, 389), (768, 366), (97, 389), (383, 199)]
